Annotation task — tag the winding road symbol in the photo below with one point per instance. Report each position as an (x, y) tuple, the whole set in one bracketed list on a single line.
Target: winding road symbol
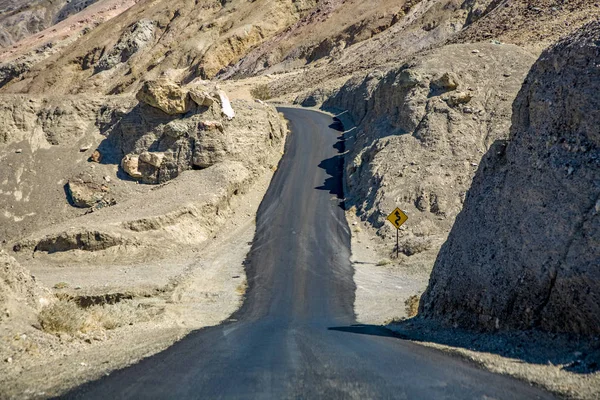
[(397, 218)]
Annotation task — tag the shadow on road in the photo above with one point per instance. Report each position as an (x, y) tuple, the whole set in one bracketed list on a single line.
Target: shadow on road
[(334, 167), (372, 330), (575, 354)]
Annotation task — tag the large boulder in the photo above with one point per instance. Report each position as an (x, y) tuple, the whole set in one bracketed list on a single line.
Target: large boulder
[(85, 193), (525, 250), (166, 96)]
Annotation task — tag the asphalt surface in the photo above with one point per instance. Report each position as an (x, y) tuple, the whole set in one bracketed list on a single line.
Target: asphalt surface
[(296, 336)]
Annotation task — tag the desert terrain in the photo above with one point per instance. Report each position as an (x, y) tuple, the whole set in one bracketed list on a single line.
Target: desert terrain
[(138, 139)]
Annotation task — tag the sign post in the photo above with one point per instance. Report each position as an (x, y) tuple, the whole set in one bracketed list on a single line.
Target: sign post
[(397, 218)]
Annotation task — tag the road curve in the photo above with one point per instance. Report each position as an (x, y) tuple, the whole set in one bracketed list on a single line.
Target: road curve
[(296, 334)]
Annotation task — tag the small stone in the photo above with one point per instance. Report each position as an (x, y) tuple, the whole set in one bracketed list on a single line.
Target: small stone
[(448, 81), (18, 151), (475, 51), (211, 125), (459, 98), (107, 178), (96, 156), (85, 148), (9, 360), (507, 75)]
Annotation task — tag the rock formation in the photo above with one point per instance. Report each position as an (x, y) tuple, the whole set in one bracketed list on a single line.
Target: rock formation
[(525, 251), (421, 132)]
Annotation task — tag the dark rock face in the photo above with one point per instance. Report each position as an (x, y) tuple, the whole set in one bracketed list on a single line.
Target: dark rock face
[(525, 250)]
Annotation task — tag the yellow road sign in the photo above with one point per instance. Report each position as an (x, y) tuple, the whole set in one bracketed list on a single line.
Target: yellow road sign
[(397, 218)]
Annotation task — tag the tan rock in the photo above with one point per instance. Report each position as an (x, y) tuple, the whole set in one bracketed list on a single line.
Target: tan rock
[(448, 81), (165, 95), (96, 156), (86, 194), (211, 125), (201, 96), (130, 165), (154, 159), (459, 98)]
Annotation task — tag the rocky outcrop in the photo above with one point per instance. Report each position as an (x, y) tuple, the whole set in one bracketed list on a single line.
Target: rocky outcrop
[(158, 146), (139, 35), (421, 132), (525, 251), (87, 240), (18, 289)]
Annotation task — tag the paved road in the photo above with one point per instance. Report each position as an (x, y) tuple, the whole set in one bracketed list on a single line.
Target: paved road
[(296, 335)]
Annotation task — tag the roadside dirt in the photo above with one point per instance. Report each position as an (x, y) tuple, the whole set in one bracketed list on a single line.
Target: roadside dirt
[(202, 287)]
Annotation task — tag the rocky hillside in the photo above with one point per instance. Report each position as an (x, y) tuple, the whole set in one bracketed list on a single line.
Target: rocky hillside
[(101, 147), (22, 18), (525, 250), (308, 43), (421, 132)]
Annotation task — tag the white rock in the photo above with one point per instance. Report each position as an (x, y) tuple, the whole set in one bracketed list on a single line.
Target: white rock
[(226, 108)]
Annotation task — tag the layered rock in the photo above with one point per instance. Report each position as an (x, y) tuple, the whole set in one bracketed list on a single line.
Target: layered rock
[(525, 251)]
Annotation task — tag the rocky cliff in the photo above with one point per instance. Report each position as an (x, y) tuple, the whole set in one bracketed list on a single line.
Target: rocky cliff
[(421, 132), (525, 250)]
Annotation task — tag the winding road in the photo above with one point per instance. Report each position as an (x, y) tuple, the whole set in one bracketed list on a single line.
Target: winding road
[(296, 336)]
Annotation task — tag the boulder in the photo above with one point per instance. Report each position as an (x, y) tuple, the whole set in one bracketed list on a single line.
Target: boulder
[(154, 159), (525, 251), (176, 129), (165, 95), (201, 96), (456, 99), (86, 194), (447, 82), (130, 165), (210, 148)]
